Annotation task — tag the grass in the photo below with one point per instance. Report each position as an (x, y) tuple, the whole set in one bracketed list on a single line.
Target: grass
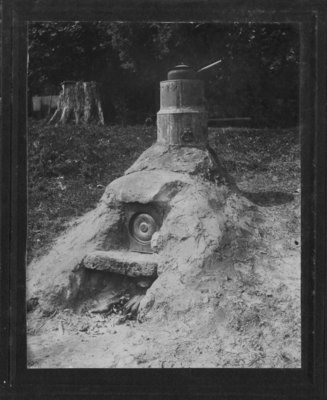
[(69, 167)]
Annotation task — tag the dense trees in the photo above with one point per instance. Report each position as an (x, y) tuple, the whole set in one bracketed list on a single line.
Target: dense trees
[(258, 76)]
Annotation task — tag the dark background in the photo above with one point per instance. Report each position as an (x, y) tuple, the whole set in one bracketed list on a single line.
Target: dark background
[(258, 77)]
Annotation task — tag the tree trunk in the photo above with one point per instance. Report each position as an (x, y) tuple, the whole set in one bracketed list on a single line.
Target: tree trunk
[(79, 101)]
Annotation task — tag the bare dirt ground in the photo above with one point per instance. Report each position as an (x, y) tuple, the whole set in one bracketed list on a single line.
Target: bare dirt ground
[(251, 320)]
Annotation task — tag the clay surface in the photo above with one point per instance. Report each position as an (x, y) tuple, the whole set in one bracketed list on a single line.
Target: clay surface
[(227, 288), (190, 160), (56, 279)]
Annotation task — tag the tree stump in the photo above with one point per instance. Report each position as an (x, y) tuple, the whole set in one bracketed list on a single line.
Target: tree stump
[(79, 101)]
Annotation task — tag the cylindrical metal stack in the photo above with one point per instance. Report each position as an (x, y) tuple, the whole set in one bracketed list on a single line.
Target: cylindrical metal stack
[(182, 118)]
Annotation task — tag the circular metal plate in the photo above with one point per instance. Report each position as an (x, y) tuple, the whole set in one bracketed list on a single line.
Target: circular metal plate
[(142, 227)]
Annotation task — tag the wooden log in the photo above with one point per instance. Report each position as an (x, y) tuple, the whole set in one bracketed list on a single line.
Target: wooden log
[(79, 101)]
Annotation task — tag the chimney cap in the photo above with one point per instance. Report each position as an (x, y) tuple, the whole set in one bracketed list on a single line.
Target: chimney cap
[(182, 71)]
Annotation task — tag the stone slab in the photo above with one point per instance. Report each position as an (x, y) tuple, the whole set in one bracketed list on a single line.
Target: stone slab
[(122, 262), (146, 186)]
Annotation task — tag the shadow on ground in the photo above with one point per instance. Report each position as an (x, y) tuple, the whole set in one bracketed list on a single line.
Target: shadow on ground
[(268, 199)]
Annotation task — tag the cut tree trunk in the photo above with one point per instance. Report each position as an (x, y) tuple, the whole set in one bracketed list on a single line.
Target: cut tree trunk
[(78, 101)]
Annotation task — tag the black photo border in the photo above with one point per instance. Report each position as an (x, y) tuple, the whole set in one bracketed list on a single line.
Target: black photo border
[(307, 382)]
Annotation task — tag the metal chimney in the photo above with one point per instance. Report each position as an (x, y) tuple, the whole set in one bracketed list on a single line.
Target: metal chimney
[(182, 118)]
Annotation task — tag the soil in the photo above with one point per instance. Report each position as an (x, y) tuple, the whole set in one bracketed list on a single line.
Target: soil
[(248, 315)]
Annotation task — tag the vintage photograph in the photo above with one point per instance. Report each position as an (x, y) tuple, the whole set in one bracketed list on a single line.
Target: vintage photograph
[(164, 195)]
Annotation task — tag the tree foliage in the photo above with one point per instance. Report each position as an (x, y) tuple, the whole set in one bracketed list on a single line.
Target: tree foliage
[(258, 76)]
